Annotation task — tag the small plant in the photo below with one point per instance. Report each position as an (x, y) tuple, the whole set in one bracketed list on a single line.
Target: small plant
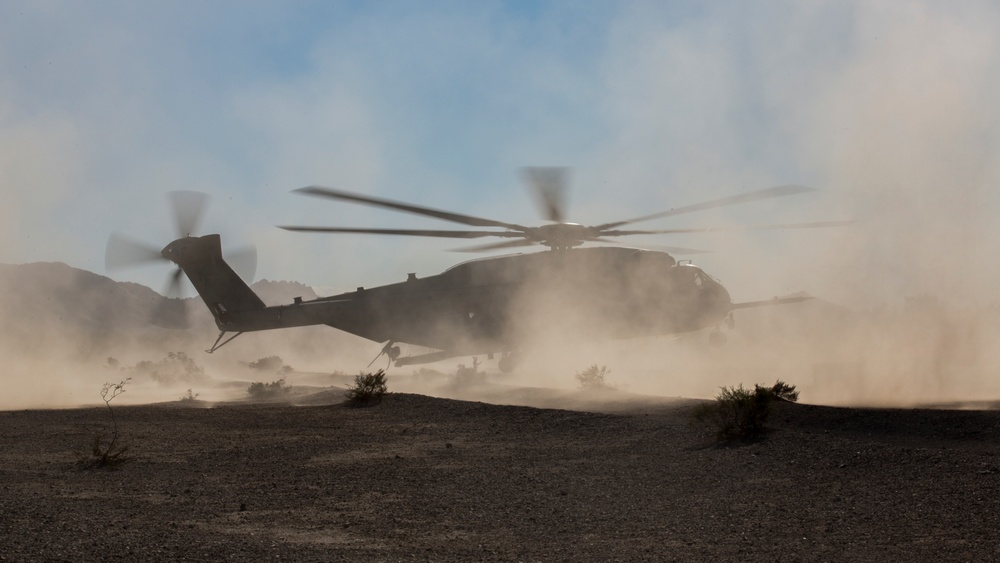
[(466, 375), (368, 388), (427, 375), (783, 391), (176, 367), (594, 378), (260, 391), (270, 364), (104, 452), (740, 414)]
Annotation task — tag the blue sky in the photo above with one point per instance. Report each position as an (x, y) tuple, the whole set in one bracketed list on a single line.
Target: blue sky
[(890, 108)]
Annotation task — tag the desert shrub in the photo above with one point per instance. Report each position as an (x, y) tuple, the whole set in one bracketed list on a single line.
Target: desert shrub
[(106, 451), (260, 391), (270, 364), (175, 367), (739, 413), (427, 374), (467, 375), (783, 391), (594, 378), (368, 388)]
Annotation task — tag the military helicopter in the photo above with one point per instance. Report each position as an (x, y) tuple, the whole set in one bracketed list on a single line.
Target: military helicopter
[(493, 305)]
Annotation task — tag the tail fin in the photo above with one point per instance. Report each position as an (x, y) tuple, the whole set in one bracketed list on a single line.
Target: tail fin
[(218, 285)]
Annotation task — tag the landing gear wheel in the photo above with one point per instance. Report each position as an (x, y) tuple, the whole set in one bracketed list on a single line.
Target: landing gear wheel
[(717, 339), (507, 363)]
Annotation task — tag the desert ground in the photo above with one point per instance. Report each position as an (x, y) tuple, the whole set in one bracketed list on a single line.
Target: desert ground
[(423, 478)]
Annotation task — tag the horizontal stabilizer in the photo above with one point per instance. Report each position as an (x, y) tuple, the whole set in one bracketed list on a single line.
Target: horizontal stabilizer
[(775, 301)]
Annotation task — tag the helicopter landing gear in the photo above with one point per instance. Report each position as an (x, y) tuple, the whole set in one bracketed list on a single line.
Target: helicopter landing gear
[(507, 363), (391, 352), (717, 338)]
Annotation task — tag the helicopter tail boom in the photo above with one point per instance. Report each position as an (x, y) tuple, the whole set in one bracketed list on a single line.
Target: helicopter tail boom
[(234, 305), (219, 286)]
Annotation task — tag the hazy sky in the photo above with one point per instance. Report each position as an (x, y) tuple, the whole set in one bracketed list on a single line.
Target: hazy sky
[(889, 107)]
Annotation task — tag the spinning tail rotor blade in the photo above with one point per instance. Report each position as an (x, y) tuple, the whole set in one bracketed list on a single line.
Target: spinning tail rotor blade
[(188, 207), (243, 261), (171, 312), (173, 287), (549, 185), (122, 252)]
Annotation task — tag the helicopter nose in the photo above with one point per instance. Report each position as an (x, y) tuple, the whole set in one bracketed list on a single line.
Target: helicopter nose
[(717, 299)]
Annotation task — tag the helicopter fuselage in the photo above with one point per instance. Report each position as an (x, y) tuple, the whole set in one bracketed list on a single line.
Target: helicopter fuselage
[(497, 304)]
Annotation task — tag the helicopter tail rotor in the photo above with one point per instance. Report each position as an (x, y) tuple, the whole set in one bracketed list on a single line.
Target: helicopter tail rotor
[(188, 207)]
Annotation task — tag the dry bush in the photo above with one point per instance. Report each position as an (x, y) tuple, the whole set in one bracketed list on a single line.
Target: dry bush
[(740, 414), (595, 378), (368, 388), (260, 391), (783, 391), (176, 367), (104, 451), (270, 364)]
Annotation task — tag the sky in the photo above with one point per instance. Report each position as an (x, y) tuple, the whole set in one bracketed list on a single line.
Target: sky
[(888, 108)]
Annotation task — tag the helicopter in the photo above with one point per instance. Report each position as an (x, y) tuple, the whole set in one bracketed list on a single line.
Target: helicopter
[(491, 305)]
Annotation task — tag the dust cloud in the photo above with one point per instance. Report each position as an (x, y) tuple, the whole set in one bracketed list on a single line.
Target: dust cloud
[(922, 351), (894, 116)]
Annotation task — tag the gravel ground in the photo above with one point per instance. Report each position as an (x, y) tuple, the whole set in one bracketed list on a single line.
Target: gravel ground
[(421, 478)]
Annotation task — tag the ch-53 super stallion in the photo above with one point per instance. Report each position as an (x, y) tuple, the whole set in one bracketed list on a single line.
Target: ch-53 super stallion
[(483, 306)]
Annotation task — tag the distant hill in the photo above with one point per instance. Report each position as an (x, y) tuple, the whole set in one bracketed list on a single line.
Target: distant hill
[(58, 292), (50, 305), (53, 291)]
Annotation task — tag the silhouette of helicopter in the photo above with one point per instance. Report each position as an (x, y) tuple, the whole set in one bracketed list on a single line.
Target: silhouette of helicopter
[(491, 305)]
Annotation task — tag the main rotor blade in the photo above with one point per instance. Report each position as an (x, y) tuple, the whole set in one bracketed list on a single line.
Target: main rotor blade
[(399, 206), (817, 225), (668, 249), (495, 246), (188, 207), (550, 189), (766, 193), (123, 251), (405, 232), (243, 261)]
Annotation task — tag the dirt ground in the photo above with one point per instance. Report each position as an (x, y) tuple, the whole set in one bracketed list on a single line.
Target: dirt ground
[(421, 478)]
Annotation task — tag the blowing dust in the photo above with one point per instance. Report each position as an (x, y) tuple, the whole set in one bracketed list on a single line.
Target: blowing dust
[(895, 119)]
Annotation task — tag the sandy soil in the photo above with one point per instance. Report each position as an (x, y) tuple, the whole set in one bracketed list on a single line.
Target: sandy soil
[(420, 478)]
